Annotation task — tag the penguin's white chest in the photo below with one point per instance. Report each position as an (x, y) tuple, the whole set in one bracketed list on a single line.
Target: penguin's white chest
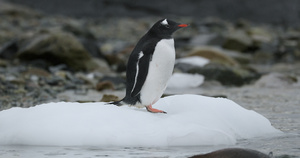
[(160, 70)]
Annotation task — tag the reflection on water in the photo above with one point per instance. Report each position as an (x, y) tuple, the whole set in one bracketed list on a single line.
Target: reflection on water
[(287, 146)]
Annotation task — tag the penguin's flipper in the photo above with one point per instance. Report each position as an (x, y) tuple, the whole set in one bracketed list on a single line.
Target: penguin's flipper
[(141, 73)]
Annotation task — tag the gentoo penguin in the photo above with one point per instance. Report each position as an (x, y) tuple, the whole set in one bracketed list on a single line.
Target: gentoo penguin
[(150, 66)]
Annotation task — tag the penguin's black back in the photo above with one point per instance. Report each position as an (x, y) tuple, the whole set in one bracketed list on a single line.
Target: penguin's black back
[(147, 45)]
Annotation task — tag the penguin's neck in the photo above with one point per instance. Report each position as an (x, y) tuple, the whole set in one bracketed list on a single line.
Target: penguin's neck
[(160, 36)]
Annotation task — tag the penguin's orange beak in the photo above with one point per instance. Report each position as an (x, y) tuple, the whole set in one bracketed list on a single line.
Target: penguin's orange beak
[(183, 25)]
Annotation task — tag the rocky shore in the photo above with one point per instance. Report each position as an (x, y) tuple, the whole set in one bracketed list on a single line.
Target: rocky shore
[(46, 58)]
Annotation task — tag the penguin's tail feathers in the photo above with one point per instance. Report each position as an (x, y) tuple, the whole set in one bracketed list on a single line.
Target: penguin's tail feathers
[(117, 103)]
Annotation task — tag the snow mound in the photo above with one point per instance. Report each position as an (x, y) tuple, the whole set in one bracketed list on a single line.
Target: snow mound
[(191, 120), (193, 60), (184, 80)]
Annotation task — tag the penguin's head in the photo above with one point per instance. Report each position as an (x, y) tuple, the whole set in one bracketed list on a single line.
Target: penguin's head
[(164, 28)]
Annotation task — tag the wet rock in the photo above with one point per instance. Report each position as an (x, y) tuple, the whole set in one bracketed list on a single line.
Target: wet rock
[(17, 10), (260, 35), (87, 79), (15, 80), (117, 57), (109, 98), (31, 86), (214, 55), (227, 75), (9, 50), (276, 80), (62, 74), (266, 53), (56, 47), (117, 63), (203, 39), (288, 49), (118, 82), (184, 67), (55, 81), (241, 58), (102, 85), (36, 72), (45, 96), (102, 66), (92, 47), (3, 63), (4, 37), (78, 29), (234, 153), (222, 66), (237, 40), (56, 68)]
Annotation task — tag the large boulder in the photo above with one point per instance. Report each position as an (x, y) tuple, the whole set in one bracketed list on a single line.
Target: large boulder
[(224, 66), (226, 74), (213, 54), (56, 47), (234, 153), (237, 40)]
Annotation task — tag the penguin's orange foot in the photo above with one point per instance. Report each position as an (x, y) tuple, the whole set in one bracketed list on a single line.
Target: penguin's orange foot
[(150, 109)]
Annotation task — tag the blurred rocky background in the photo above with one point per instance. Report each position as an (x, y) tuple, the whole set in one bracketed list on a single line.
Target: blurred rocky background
[(77, 50)]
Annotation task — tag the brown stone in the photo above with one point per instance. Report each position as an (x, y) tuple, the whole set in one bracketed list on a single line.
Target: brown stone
[(109, 98), (105, 85)]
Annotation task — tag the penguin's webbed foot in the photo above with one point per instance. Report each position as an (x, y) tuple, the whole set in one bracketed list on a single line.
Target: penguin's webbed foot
[(150, 109)]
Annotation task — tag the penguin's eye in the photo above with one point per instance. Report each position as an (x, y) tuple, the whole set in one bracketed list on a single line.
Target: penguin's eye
[(167, 26)]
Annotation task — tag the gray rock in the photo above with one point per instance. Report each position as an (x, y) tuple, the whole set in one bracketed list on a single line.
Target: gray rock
[(102, 66), (234, 153), (78, 29), (34, 71), (276, 80), (237, 40), (109, 98), (117, 81), (227, 75), (8, 50), (92, 47), (3, 63), (203, 39), (260, 34), (241, 58), (266, 53), (214, 55), (103, 85), (56, 47), (9, 9)]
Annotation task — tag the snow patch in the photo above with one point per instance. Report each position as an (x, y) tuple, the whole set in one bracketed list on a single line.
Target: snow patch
[(184, 80), (193, 60)]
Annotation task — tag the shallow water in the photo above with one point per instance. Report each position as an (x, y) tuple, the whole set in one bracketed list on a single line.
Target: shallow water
[(280, 105), (286, 146)]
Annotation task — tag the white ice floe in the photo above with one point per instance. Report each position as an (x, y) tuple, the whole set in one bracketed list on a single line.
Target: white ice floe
[(184, 80), (191, 120), (193, 60)]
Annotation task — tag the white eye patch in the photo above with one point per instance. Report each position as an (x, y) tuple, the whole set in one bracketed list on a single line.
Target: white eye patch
[(165, 22)]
